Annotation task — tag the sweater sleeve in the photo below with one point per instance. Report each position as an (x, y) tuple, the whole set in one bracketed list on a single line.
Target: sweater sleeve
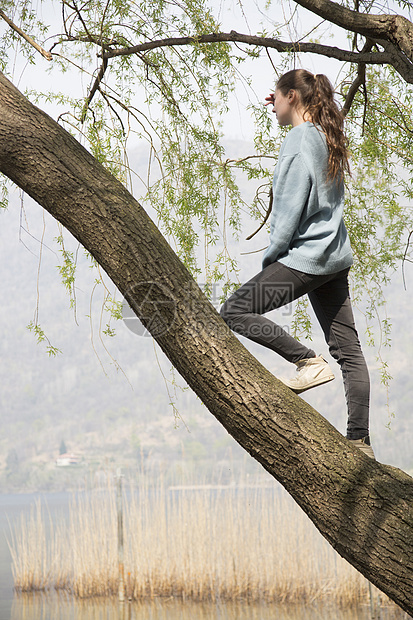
[(291, 189)]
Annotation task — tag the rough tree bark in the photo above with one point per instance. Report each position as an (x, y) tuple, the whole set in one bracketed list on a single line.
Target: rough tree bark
[(363, 508), (394, 29)]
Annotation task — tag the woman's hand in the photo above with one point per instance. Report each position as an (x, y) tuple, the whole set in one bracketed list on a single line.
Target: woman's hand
[(270, 99)]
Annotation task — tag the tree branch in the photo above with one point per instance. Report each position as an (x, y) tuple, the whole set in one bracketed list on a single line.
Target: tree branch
[(94, 88), (398, 60), (405, 69), (26, 37), (395, 29), (360, 79), (236, 37)]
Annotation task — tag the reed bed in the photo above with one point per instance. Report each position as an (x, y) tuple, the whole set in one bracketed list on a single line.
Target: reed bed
[(200, 544)]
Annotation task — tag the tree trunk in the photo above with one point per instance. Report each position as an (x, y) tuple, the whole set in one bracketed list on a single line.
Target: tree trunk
[(363, 508)]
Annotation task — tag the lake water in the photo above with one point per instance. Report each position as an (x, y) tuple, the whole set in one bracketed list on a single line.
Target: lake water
[(58, 608), (62, 607)]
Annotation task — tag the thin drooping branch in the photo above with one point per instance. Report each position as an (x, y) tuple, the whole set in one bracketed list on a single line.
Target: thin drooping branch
[(26, 37), (378, 58), (94, 88), (359, 80), (267, 215)]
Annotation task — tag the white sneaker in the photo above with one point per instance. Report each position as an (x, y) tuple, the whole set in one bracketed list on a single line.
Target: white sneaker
[(364, 445), (310, 373)]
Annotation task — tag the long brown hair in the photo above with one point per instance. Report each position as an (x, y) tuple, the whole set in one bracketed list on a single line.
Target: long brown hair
[(317, 97)]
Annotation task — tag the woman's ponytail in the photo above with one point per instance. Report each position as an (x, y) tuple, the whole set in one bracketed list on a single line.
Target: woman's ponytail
[(317, 97)]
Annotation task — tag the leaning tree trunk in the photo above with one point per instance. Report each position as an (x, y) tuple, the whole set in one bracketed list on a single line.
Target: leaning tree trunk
[(363, 508)]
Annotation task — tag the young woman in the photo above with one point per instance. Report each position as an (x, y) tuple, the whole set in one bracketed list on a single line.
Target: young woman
[(309, 250)]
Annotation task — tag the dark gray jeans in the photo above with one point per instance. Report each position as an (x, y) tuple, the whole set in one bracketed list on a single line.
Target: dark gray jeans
[(278, 285)]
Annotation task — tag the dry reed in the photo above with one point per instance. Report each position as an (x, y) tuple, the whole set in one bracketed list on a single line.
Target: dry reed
[(222, 544)]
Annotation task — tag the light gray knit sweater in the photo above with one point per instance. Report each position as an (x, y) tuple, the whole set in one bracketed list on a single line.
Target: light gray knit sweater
[(307, 228)]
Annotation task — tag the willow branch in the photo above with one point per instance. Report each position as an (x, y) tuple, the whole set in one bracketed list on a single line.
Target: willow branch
[(267, 42), (26, 37), (403, 66), (267, 215), (359, 80), (94, 88)]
